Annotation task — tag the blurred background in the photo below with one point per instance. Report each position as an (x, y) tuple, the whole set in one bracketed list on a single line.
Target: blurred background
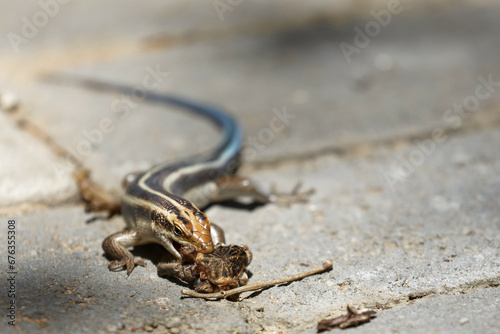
[(349, 72)]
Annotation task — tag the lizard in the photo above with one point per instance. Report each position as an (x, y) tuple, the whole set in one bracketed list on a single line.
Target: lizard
[(161, 205)]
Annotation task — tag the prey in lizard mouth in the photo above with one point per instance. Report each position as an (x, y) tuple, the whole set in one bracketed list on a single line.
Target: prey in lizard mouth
[(221, 270)]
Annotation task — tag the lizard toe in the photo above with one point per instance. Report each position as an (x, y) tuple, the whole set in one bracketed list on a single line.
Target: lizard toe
[(116, 265)]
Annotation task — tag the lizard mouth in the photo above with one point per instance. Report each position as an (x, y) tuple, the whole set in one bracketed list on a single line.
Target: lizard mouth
[(187, 253), (176, 245)]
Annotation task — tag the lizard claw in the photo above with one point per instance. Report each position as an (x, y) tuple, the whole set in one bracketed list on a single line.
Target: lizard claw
[(128, 264), (295, 196)]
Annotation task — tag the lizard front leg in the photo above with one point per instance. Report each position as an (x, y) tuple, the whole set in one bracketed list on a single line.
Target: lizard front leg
[(115, 247)]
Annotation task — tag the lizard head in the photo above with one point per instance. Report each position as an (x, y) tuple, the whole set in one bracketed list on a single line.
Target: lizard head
[(175, 228)]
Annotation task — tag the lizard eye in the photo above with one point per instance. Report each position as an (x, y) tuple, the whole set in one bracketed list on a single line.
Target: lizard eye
[(177, 231)]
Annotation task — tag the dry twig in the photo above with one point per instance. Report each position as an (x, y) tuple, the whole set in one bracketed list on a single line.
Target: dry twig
[(351, 319), (327, 266)]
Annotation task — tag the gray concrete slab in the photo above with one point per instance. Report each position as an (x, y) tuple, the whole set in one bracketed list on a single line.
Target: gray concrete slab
[(476, 312), (390, 243), (125, 25), (404, 84), (407, 187), (432, 234), (29, 172)]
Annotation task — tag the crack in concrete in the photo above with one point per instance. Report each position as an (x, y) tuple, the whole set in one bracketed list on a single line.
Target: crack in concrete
[(477, 125), (462, 289)]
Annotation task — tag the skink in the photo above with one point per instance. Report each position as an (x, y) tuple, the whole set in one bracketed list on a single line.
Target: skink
[(161, 205)]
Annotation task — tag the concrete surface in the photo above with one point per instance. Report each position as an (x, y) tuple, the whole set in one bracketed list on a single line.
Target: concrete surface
[(332, 102), (28, 170), (407, 187), (475, 312)]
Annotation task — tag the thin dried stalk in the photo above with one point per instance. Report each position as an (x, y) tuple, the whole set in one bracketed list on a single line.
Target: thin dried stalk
[(351, 319), (327, 266)]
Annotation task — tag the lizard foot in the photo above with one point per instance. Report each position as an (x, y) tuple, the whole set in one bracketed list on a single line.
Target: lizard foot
[(129, 264)]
